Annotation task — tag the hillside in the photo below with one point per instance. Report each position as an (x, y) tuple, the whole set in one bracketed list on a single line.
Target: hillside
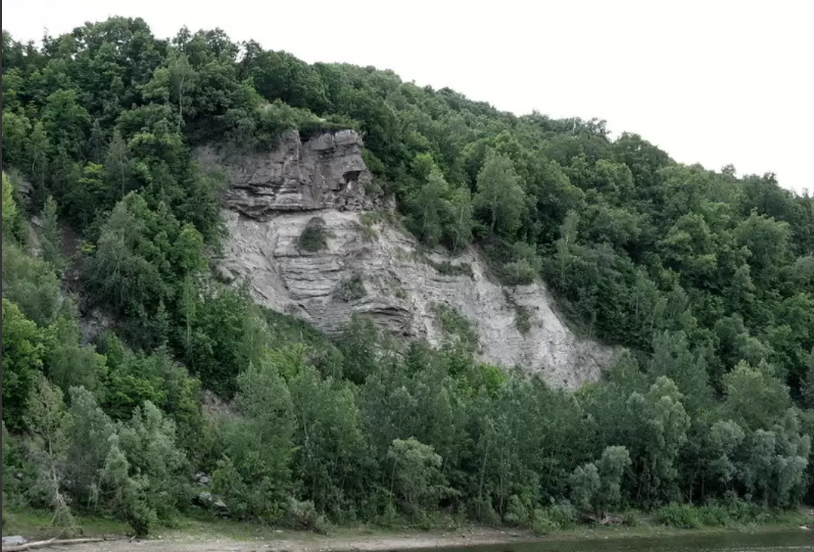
[(308, 241), (441, 237)]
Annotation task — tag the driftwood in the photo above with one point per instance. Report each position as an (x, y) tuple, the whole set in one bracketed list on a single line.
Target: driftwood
[(51, 542), (603, 520)]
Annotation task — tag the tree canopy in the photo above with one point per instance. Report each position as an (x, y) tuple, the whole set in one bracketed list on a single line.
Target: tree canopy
[(706, 278)]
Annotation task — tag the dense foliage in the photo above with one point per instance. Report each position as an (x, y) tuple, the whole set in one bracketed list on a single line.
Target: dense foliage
[(708, 279)]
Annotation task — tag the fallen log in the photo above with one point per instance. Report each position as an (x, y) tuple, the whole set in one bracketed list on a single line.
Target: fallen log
[(51, 542), (603, 520)]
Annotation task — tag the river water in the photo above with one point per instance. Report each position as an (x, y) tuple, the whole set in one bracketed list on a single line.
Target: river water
[(797, 541)]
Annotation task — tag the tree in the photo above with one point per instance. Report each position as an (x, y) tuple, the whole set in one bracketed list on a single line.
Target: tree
[(255, 475), (118, 168), (148, 442), (500, 195), (66, 121), (49, 425), (331, 460), (672, 358), (9, 206), (585, 484), (459, 230), (51, 238), (612, 465), (567, 241), (127, 497), (416, 479), (754, 397), (24, 346), (725, 437), (90, 444), (430, 209), (807, 390)]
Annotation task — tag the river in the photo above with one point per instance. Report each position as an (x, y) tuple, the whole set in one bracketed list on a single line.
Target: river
[(796, 541)]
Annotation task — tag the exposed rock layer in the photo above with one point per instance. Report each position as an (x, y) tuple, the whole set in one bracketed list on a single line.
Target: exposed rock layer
[(275, 195), (326, 172)]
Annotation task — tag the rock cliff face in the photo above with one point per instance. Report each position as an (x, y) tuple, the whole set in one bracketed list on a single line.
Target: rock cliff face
[(326, 172), (369, 266)]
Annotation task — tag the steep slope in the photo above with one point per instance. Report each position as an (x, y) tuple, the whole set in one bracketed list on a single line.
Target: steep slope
[(370, 266)]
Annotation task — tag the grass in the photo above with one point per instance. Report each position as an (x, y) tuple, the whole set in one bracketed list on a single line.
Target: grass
[(199, 526), (36, 524)]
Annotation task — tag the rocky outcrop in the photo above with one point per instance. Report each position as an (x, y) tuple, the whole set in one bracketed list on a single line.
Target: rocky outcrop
[(366, 265), (326, 172)]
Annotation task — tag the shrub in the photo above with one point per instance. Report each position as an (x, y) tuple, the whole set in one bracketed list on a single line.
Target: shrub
[(522, 319), (481, 509), (448, 269), (303, 515), (631, 518), (516, 512), (519, 273), (456, 325), (679, 516), (713, 515), (541, 524), (314, 237), (563, 514), (351, 289)]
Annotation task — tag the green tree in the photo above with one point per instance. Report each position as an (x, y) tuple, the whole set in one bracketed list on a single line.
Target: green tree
[(500, 195), (24, 347), (612, 465), (9, 206), (255, 475), (417, 481), (585, 484), (49, 425), (430, 209), (51, 238), (89, 445), (754, 397)]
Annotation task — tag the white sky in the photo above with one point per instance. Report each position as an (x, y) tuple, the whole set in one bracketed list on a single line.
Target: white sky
[(709, 81)]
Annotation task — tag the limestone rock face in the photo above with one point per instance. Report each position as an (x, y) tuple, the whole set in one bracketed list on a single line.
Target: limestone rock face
[(275, 196), (326, 172)]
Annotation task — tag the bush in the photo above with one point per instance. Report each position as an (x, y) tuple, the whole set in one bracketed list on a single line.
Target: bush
[(446, 268), (351, 289), (303, 515), (739, 510), (522, 319), (457, 325), (517, 513), (314, 237), (713, 515), (631, 518), (481, 509), (679, 516), (519, 273), (541, 524), (563, 514), (390, 518)]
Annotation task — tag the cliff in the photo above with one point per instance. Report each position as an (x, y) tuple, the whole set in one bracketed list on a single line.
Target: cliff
[(368, 265)]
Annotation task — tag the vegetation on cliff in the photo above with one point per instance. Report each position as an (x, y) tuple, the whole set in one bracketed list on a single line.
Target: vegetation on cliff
[(707, 278)]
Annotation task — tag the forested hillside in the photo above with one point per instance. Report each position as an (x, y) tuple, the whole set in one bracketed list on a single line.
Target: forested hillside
[(705, 277)]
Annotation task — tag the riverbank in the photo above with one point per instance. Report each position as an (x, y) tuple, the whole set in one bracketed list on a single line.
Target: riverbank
[(193, 535)]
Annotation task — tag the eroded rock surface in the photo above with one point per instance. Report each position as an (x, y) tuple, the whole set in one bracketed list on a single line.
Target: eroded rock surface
[(275, 196), (326, 172)]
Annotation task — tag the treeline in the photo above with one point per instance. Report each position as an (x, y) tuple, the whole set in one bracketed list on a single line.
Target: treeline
[(707, 278), (355, 430)]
